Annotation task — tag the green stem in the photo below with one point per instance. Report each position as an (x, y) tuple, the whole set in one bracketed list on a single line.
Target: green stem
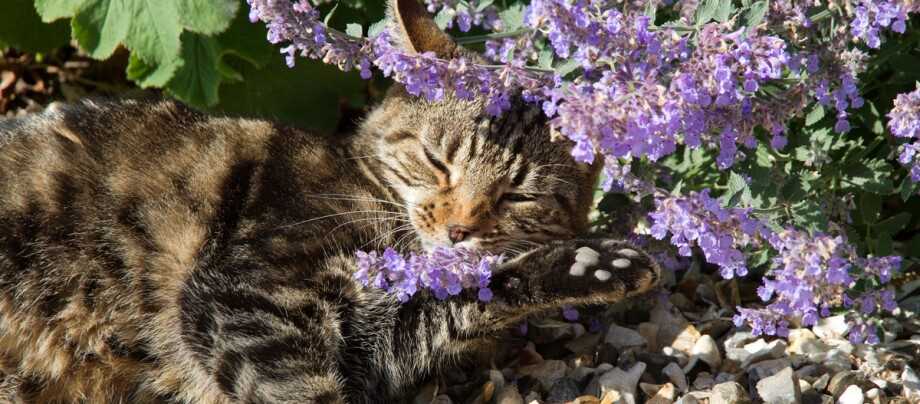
[(497, 35)]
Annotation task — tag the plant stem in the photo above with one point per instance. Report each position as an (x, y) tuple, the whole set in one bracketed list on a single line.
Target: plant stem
[(497, 35)]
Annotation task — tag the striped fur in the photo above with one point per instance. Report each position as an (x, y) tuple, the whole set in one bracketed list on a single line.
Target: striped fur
[(150, 253)]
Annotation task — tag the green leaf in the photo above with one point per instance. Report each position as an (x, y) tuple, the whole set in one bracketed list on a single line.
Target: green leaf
[(908, 188), (871, 175), (377, 28), (51, 10), (567, 66), (484, 4), (706, 11), (755, 13), (22, 28), (724, 11), (870, 205), (512, 17), (807, 213), (198, 80), (443, 18), (101, 26), (151, 75), (331, 13), (892, 225), (207, 16), (355, 30), (815, 115), (545, 59)]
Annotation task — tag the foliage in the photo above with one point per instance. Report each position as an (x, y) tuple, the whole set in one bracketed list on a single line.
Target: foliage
[(202, 52)]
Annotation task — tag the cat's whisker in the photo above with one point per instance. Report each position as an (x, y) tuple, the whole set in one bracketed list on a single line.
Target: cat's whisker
[(346, 197), (356, 212), (379, 239)]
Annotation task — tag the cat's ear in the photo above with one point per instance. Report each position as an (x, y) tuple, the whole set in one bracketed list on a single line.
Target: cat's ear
[(416, 31)]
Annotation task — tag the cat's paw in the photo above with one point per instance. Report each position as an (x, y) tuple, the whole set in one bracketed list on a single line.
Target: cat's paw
[(600, 270)]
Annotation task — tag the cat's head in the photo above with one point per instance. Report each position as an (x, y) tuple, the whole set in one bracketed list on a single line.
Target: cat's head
[(466, 178)]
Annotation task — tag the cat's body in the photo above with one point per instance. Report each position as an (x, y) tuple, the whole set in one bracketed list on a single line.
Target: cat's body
[(149, 253)]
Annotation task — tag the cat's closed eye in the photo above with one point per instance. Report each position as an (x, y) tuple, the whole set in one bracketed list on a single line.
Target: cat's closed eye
[(515, 197)]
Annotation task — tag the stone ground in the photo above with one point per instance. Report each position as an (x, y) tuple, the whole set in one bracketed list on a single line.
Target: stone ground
[(681, 347), (674, 346)]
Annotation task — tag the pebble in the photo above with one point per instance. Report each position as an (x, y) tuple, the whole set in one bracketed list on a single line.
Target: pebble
[(581, 373), (677, 376), (563, 390), (665, 395), (843, 380), (833, 327), (583, 344), (686, 339), (768, 368), (622, 337), (852, 395), (703, 381), (622, 382), (761, 350), (781, 388), (547, 372), (706, 349), (910, 384), (586, 400), (728, 393), (611, 397), (509, 395), (649, 332)]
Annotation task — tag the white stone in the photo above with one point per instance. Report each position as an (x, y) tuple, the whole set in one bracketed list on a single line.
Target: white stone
[(833, 327), (707, 350), (621, 263), (578, 269), (602, 275), (852, 395), (509, 395)]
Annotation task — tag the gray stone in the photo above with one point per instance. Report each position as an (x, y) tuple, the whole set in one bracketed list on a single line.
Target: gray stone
[(764, 369), (703, 381), (622, 382), (677, 377), (842, 380), (581, 373), (622, 337), (564, 390), (547, 372), (728, 393), (781, 388)]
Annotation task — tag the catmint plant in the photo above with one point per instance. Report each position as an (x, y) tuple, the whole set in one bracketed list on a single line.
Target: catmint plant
[(760, 142)]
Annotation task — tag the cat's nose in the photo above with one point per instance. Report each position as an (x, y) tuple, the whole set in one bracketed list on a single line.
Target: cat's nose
[(457, 233)]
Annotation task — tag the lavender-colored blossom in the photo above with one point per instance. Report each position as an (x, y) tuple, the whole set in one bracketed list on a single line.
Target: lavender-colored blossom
[(444, 271), (904, 118), (871, 17), (700, 220)]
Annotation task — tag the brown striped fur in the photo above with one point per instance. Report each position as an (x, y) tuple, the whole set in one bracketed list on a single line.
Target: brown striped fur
[(150, 253)]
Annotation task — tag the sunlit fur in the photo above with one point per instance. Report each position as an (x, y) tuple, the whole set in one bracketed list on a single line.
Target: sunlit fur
[(153, 254)]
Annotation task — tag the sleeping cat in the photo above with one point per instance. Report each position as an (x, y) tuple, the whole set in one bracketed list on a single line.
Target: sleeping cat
[(150, 253)]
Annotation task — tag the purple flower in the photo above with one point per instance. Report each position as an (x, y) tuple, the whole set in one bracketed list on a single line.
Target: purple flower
[(444, 271)]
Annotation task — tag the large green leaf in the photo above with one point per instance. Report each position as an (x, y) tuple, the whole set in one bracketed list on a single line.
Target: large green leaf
[(51, 10), (21, 28), (207, 16), (100, 26), (198, 80)]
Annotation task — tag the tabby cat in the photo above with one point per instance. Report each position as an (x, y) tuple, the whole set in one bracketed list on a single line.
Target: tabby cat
[(150, 253)]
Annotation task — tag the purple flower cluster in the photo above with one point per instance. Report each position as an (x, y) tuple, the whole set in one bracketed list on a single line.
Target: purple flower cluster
[(904, 121), (467, 13), (870, 17), (444, 271), (700, 220), (810, 275)]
